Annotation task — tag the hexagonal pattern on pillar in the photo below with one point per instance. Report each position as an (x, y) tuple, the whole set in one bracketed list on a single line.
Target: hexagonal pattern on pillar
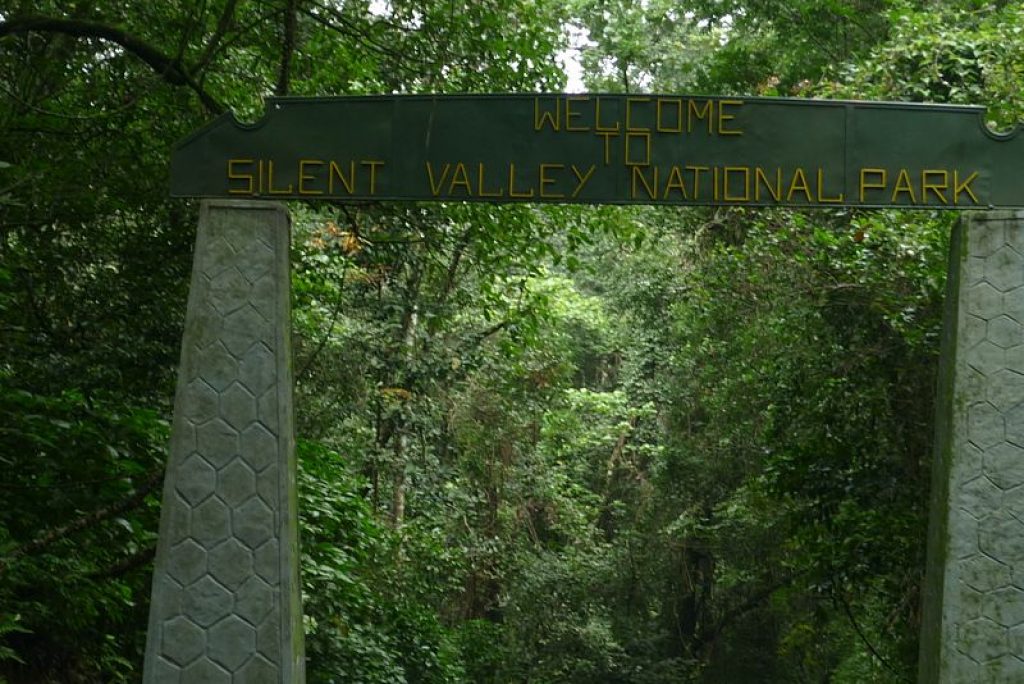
[(232, 642), (231, 564), (259, 671), (1005, 269), (225, 604), (984, 574), (220, 255), (238, 406), (982, 605), (256, 369), (211, 522), (258, 446), (263, 300), (268, 410), (267, 563), (207, 601), (228, 291), (984, 241), (1004, 465), (199, 401), (253, 522), (974, 330), (254, 600), (178, 525), (1005, 389), (1005, 332), (217, 442), (184, 641), (267, 485), (196, 479), (164, 672), (268, 640), (243, 329), (983, 640), (205, 671), (217, 366), (1000, 535), (1015, 425), (1006, 668), (985, 425), (237, 482), (988, 357), (257, 260), (979, 497), (1006, 607), (187, 562), (984, 301)]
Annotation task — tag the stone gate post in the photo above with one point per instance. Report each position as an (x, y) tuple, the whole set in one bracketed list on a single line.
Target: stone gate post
[(973, 618), (226, 594)]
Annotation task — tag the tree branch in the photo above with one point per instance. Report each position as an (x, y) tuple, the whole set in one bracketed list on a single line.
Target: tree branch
[(223, 25), (170, 69), (55, 534), (125, 565), (841, 600), (287, 48)]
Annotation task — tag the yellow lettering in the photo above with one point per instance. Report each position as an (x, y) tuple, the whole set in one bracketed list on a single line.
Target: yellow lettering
[(435, 188), (569, 114), (799, 182), (675, 182), (630, 101), (821, 190), (723, 117), (480, 184), (936, 188), (659, 125), (233, 174), (373, 164), (546, 180), (646, 137), (607, 145), (903, 185), (959, 187), (652, 188), (761, 179), (512, 184), (581, 179), (303, 176), (349, 183), (597, 119), (696, 178), (745, 197), (539, 117), (270, 182), (691, 111), (883, 176), (259, 166), (460, 177)]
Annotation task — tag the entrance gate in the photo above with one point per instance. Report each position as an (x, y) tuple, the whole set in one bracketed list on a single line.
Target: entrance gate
[(226, 595)]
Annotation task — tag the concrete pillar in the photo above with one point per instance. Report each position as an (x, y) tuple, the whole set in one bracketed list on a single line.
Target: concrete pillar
[(973, 619), (226, 594)]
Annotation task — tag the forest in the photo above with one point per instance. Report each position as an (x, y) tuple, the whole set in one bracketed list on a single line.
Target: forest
[(560, 443)]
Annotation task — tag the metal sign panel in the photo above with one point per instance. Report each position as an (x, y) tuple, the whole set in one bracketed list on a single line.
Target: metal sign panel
[(619, 149)]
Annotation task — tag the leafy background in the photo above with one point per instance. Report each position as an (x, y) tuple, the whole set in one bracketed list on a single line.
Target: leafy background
[(537, 444)]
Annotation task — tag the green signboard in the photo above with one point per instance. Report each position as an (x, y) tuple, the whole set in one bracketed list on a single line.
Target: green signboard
[(621, 149)]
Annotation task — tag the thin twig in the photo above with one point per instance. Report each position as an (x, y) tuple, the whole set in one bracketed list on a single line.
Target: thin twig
[(863, 637)]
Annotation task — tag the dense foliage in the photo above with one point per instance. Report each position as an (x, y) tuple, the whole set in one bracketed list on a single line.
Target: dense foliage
[(553, 444)]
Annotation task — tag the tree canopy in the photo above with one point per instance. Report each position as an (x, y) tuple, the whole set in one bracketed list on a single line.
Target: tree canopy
[(536, 444)]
